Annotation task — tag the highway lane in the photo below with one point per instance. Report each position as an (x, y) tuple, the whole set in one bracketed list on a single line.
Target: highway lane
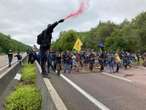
[(71, 97), (115, 94), (4, 62)]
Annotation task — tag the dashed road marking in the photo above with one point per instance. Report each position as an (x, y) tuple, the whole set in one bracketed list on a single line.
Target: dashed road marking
[(87, 95)]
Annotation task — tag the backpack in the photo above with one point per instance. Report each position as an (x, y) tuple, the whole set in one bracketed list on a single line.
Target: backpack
[(44, 39)]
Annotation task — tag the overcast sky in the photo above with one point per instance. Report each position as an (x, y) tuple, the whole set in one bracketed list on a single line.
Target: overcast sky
[(25, 19)]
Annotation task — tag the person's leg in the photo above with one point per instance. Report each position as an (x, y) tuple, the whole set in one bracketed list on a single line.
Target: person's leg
[(51, 64), (43, 58), (117, 70), (10, 60), (110, 67), (65, 67), (101, 67), (48, 65), (69, 68)]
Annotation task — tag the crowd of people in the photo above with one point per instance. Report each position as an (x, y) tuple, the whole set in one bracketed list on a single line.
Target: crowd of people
[(75, 62)]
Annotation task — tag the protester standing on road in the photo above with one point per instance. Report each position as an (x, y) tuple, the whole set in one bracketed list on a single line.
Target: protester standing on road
[(91, 61), (110, 58), (49, 62), (117, 61), (10, 57), (101, 61), (44, 40), (58, 63)]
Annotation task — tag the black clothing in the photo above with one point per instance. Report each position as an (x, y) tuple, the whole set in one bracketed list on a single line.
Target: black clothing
[(19, 57), (31, 58), (10, 57), (58, 59), (44, 40)]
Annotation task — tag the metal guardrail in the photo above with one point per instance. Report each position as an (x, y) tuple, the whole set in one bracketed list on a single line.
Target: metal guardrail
[(8, 75)]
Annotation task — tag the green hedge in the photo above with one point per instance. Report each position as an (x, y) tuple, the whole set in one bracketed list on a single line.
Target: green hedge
[(26, 97), (28, 74)]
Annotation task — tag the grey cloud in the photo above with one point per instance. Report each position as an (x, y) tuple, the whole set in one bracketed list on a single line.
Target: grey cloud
[(25, 19)]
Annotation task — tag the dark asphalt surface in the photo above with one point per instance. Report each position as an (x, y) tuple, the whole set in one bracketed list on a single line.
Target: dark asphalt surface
[(71, 97), (113, 93)]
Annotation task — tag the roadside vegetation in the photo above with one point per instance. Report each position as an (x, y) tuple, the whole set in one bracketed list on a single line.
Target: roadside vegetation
[(26, 96), (6, 43), (129, 36)]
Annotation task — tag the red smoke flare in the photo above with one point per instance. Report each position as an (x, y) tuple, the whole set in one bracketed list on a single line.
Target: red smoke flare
[(80, 10)]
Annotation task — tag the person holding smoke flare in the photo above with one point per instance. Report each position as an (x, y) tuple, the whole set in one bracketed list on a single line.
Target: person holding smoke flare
[(44, 40)]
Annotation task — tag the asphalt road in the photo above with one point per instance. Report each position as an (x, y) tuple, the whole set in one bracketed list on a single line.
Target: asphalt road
[(3, 60), (115, 94)]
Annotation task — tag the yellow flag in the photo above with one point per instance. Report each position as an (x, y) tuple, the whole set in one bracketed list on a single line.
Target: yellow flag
[(78, 45)]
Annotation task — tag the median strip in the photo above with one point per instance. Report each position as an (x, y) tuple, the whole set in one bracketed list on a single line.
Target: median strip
[(26, 96)]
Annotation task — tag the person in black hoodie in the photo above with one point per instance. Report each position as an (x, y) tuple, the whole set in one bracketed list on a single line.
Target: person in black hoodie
[(10, 57), (44, 40)]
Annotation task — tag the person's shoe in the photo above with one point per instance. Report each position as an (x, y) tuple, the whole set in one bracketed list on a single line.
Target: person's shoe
[(45, 75)]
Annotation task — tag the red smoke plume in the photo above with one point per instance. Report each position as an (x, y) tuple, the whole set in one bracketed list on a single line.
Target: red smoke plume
[(80, 10)]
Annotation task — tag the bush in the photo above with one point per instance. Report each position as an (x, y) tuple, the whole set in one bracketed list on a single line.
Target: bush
[(26, 97), (28, 73)]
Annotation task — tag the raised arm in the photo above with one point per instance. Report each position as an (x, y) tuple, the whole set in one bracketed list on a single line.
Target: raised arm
[(51, 27)]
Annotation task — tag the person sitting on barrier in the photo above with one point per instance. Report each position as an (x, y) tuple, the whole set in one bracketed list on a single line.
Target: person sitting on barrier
[(19, 57), (31, 58)]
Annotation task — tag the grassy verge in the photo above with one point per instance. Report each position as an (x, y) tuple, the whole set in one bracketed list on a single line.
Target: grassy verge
[(28, 74), (26, 95)]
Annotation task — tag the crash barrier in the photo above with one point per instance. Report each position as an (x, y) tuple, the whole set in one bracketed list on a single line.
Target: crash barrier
[(8, 75), (47, 102)]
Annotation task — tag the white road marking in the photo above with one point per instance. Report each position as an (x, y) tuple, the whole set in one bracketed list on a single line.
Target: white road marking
[(87, 95), (117, 77), (5, 66), (54, 95), (17, 77), (6, 72)]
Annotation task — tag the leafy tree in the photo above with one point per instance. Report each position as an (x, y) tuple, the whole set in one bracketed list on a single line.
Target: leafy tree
[(66, 41), (7, 43), (129, 35)]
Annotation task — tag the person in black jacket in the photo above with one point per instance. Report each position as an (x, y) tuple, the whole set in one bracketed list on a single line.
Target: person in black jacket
[(44, 40), (10, 57)]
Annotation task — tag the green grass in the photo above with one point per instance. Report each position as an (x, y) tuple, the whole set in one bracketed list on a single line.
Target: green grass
[(28, 73), (26, 97)]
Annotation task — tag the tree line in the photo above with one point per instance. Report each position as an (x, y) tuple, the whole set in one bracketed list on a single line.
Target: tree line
[(6, 43), (128, 36)]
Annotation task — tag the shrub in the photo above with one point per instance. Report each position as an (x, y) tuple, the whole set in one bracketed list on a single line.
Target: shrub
[(28, 73), (26, 97)]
